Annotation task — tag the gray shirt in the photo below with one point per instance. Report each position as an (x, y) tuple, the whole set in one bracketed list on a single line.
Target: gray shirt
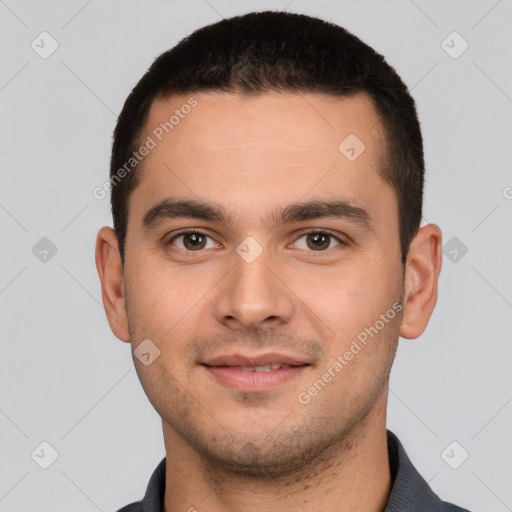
[(409, 491)]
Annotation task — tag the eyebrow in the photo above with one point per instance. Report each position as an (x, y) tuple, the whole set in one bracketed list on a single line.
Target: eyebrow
[(214, 212)]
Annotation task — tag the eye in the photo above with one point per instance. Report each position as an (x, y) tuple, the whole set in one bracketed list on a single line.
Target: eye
[(319, 241), (191, 240)]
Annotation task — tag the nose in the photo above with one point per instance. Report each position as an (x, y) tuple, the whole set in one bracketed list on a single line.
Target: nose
[(253, 295)]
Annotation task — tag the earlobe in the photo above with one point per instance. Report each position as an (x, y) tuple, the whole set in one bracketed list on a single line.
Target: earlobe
[(421, 280), (110, 271)]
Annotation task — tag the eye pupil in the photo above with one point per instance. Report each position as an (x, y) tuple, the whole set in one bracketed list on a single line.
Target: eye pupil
[(318, 241), (196, 240)]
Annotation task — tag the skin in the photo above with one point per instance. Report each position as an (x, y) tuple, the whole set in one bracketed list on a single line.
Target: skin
[(229, 450)]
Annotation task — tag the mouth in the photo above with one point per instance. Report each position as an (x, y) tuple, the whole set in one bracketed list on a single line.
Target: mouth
[(254, 373), (259, 369)]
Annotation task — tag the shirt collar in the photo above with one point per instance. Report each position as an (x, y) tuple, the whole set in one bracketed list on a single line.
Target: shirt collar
[(409, 489)]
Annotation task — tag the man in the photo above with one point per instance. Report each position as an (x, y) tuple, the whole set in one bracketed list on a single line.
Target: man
[(267, 181)]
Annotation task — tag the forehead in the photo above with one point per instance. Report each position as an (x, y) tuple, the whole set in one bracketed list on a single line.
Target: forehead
[(264, 151)]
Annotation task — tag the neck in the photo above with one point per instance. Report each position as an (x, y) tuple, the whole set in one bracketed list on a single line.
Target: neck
[(352, 476)]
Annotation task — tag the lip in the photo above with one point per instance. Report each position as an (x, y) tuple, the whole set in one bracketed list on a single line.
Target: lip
[(226, 370), (253, 381), (255, 360)]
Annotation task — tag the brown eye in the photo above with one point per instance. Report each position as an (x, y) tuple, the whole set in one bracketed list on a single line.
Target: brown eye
[(194, 241), (318, 241), (191, 241)]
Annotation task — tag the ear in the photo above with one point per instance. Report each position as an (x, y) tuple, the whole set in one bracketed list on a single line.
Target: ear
[(421, 278), (110, 270)]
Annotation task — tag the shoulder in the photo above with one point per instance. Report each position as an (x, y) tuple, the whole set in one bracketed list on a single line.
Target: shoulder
[(409, 488), (132, 507), (154, 497), (450, 507)]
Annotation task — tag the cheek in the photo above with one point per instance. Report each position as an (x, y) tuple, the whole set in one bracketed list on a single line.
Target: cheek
[(153, 303), (156, 292), (352, 299), (167, 304)]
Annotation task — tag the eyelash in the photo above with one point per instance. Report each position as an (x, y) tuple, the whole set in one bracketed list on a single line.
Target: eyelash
[(307, 232)]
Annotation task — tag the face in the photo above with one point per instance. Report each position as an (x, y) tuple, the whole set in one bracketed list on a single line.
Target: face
[(290, 263)]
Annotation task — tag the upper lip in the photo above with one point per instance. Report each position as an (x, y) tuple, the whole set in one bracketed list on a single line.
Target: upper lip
[(255, 360)]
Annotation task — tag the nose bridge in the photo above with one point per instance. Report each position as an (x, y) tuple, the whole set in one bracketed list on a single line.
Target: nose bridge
[(252, 293)]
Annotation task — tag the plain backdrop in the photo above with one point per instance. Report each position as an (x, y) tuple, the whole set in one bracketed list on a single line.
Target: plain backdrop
[(67, 381)]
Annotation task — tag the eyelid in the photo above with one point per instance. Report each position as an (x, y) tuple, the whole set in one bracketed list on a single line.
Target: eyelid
[(344, 240)]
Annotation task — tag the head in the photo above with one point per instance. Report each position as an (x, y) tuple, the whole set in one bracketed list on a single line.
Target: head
[(273, 51), (292, 153)]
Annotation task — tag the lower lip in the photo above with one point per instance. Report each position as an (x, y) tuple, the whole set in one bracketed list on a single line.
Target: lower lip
[(253, 381)]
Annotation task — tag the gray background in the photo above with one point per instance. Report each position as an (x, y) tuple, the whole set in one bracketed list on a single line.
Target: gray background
[(64, 377)]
